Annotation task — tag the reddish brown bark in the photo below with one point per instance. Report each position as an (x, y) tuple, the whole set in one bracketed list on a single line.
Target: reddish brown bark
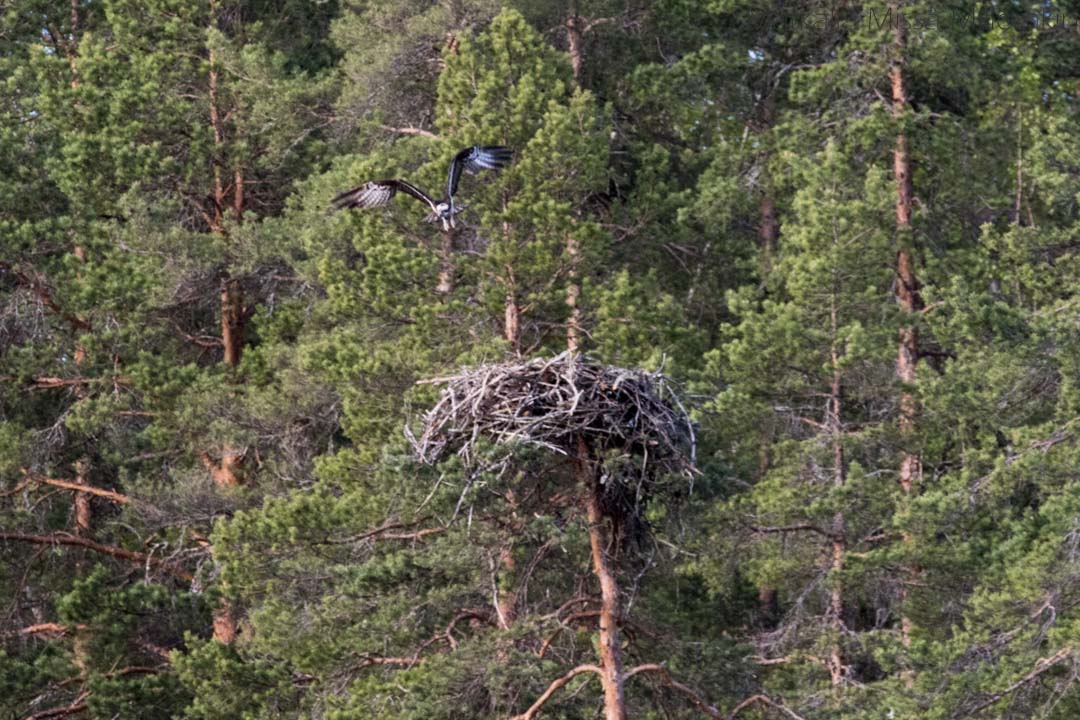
[(75, 708), (225, 623), (907, 289), (534, 709), (574, 41), (238, 193), (46, 629), (512, 323), (229, 470), (611, 668), (506, 601), (907, 284), (769, 227), (83, 510), (577, 28), (232, 320)]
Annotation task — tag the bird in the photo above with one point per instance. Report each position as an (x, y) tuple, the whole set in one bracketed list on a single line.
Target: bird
[(376, 193)]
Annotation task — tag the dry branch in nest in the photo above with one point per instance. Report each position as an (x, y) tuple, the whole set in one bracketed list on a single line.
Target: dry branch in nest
[(632, 421)]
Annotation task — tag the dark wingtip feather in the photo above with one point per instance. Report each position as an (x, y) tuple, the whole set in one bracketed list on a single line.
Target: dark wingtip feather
[(499, 155)]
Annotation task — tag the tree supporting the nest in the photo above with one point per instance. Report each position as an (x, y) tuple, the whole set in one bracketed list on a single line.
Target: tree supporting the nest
[(611, 675), (623, 430)]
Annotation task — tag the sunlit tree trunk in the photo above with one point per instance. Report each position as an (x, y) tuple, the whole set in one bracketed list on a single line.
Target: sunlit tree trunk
[(611, 664)]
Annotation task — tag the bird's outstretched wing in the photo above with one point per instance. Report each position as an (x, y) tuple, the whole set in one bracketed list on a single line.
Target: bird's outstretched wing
[(474, 159), (377, 193)]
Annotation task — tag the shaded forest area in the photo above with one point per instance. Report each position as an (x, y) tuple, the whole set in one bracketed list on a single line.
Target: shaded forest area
[(846, 233)]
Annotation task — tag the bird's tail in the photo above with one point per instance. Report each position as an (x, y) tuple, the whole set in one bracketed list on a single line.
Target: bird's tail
[(348, 199), (435, 217)]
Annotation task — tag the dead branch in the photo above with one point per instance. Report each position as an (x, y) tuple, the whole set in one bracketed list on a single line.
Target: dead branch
[(466, 614), (37, 286), (386, 531), (410, 131), (369, 660), (62, 538), (800, 527), (553, 688), (1041, 666), (79, 487), (45, 629), (77, 706), (764, 700), (668, 681), (203, 341)]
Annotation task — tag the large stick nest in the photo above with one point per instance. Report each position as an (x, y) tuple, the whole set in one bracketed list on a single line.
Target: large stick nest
[(552, 403)]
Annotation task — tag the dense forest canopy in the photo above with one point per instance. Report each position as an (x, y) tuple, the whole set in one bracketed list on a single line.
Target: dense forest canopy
[(833, 247)]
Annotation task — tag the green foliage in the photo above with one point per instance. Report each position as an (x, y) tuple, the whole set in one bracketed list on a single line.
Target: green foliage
[(706, 188)]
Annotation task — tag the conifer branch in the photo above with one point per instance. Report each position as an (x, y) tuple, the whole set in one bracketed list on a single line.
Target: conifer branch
[(553, 688)]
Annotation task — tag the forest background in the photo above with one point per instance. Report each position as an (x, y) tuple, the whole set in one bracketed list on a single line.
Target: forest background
[(849, 232)]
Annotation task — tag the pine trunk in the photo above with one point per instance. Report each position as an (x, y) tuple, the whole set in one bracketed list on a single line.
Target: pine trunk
[(574, 46), (512, 323), (232, 320), (906, 284), (611, 676)]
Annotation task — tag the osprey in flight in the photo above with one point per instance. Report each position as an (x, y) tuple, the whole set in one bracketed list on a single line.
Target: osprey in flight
[(377, 193)]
